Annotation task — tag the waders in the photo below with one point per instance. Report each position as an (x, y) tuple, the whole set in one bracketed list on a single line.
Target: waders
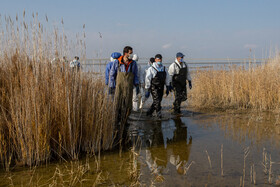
[(123, 102), (180, 90), (157, 89)]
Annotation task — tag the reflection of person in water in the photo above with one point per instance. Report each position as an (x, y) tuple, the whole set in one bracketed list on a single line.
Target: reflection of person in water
[(158, 152), (169, 143), (179, 146)]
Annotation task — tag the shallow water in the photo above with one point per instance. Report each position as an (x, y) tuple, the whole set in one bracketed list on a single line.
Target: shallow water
[(99, 66), (178, 151)]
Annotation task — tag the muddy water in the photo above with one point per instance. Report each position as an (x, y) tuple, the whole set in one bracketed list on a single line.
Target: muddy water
[(177, 151)]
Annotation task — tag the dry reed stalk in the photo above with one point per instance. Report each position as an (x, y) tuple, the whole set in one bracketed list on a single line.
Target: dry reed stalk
[(222, 160), (238, 87), (254, 175), (134, 171), (209, 159), (265, 162), (48, 110), (187, 167), (270, 171), (246, 153)]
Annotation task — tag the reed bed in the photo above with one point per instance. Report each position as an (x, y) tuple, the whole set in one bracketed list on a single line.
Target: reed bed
[(47, 110), (253, 87)]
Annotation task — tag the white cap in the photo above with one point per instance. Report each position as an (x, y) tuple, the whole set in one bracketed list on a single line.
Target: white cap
[(135, 57)]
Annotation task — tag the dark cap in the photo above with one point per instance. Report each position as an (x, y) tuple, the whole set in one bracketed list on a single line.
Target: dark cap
[(158, 56), (179, 55), (152, 60)]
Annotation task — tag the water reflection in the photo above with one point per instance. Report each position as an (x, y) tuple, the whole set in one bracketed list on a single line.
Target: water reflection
[(252, 127), (167, 144)]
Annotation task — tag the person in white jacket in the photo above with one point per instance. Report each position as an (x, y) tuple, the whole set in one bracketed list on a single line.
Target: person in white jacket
[(137, 97), (179, 73), (144, 72), (75, 64), (155, 80)]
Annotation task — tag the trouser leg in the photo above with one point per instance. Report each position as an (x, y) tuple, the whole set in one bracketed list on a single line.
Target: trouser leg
[(154, 96), (180, 95), (158, 99), (135, 103), (177, 102), (143, 98), (151, 110)]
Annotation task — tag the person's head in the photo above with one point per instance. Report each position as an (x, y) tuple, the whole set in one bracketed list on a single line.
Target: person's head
[(76, 58), (152, 60), (127, 52), (180, 57), (135, 57), (158, 59), (115, 56)]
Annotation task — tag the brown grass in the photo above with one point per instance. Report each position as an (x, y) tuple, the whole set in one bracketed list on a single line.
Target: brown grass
[(46, 111), (238, 88)]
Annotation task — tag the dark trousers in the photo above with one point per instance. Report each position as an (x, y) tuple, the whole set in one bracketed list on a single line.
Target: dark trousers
[(180, 96), (157, 94)]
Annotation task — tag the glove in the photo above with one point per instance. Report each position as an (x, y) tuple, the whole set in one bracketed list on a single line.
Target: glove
[(111, 90), (190, 84), (147, 94), (167, 90), (137, 89)]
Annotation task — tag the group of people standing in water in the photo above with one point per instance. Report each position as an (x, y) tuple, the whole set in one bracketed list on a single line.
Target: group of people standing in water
[(127, 81)]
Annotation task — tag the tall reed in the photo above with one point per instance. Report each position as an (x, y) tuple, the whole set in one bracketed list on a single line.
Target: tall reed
[(46, 109), (256, 87)]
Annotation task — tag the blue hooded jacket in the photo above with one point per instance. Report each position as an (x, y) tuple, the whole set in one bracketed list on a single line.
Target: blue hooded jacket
[(114, 71), (107, 71), (114, 55)]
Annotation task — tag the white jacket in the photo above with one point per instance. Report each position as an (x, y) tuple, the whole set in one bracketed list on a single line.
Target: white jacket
[(75, 63), (144, 71), (174, 69), (140, 74), (151, 73)]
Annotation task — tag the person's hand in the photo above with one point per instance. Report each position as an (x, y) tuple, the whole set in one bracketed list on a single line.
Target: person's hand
[(147, 94), (190, 84), (137, 89), (111, 90), (167, 90)]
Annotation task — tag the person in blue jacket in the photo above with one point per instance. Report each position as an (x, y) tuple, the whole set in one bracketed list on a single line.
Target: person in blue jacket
[(123, 76), (124, 64), (113, 57)]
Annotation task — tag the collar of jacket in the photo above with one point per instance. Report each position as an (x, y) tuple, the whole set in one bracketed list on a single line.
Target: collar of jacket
[(180, 64), (159, 68), (121, 62)]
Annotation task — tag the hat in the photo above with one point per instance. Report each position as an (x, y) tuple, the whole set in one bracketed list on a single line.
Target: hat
[(115, 55), (152, 60), (158, 56), (180, 55)]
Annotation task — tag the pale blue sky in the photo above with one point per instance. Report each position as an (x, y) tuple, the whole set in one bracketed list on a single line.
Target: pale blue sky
[(199, 28)]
